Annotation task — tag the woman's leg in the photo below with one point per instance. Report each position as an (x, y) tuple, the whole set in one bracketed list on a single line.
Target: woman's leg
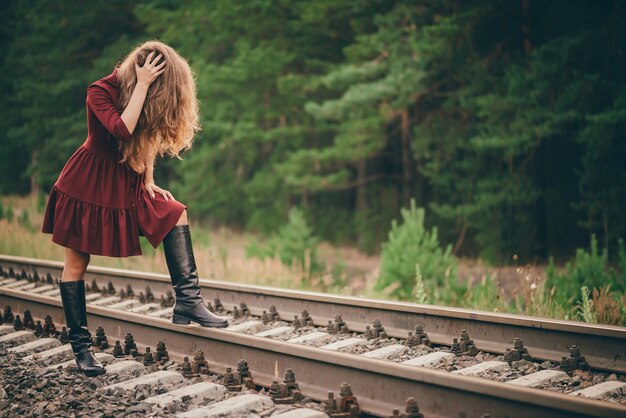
[(183, 218), (76, 263), (72, 286)]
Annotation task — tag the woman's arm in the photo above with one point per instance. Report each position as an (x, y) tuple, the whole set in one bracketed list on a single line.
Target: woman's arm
[(145, 76), (130, 116), (149, 177), (148, 181)]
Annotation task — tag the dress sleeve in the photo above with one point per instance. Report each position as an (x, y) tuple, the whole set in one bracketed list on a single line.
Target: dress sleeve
[(100, 102)]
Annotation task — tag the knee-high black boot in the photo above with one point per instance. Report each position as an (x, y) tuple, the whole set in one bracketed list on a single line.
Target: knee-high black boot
[(184, 274), (75, 308)]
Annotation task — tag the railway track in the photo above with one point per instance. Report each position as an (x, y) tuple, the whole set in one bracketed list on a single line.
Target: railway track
[(378, 357)]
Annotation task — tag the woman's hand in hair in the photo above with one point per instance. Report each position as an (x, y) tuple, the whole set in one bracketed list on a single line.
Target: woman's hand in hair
[(152, 189), (151, 69)]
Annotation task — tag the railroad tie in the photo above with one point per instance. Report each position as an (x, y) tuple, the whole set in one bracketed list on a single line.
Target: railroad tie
[(386, 352), (160, 377), (18, 337), (310, 337), (42, 289), (486, 366), (60, 351), (23, 286), (273, 332), (301, 413), (142, 309), (105, 301), (429, 359), (125, 305), (15, 284), (161, 313), (245, 326), (51, 292), (242, 404), (6, 329), (348, 342), (601, 390), (36, 345), (92, 296), (535, 379), (195, 393), (124, 366)]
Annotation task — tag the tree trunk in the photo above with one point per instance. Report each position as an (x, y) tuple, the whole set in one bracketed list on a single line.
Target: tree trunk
[(526, 27), (361, 199), (406, 158), (34, 184)]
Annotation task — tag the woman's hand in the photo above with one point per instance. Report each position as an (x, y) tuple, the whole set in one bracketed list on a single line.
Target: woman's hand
[(150, 70), (152, 189)]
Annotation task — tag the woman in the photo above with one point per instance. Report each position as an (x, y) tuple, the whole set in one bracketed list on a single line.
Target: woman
[(105, 196)]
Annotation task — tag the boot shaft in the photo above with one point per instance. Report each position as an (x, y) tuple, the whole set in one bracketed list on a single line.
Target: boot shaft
[(74, 303), (75, 310), (181, 264)]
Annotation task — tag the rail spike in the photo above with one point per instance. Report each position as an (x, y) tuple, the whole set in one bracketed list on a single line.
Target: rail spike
[(200, 365), (117, 349), (288, 391), (466, 344), (518, 352), (411, 410), (347, 406), (575, 361), (8, 315), (418, 337)]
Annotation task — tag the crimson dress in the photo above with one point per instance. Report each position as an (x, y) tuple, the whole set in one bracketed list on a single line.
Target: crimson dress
[(98, 205)]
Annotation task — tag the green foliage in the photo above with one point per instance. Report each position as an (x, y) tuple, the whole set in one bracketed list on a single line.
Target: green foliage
[(293, 243), (419, 290), (200, 237), (484, 295), (339, 274), (146, 247), (589, 269), (24, 219), (2, 210), (10, 215), (410, 244), (621, 260), (42, 200), (586, 307)]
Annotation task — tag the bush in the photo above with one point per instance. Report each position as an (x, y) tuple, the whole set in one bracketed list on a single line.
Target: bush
[(42, 200), (24, 219), (589, 269), (294, 243), (411, 245), (10, 215)]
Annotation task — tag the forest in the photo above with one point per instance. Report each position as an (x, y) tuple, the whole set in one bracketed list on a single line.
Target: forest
[(503, 120)]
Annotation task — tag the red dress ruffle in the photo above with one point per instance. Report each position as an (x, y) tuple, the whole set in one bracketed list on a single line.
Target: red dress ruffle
[(98, 205)]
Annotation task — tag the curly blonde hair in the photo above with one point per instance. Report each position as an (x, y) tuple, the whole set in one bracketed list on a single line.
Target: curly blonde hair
[(169, 118)]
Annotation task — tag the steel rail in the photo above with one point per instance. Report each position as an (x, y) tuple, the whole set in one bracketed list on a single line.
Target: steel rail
[(379, 385), (603, 346)]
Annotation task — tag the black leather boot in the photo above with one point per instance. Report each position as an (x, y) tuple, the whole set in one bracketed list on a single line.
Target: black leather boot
[(75, 308), (184, 274)]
